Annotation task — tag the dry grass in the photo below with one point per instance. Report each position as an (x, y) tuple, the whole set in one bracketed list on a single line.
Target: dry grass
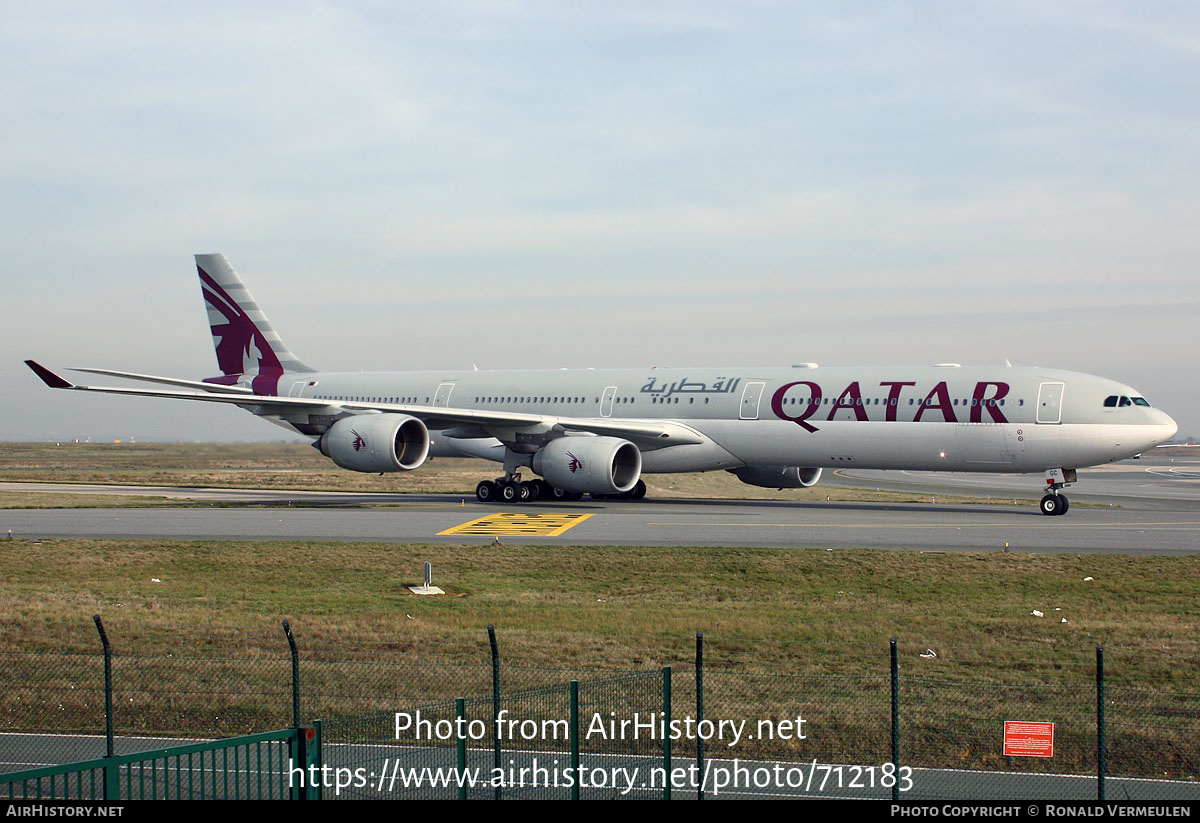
[(53, 500), (615, 608), (248, 465)]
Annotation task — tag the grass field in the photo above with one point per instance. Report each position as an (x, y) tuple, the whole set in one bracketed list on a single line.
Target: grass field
[(613, 608)]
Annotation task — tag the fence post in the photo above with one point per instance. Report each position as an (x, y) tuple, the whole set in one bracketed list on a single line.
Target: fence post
[(317, 756), (112, 781), (287, 630), (575, 739), (299, 763), (666, 717), (1101, 735), (306, 759), (699, 713), (895, 721), (108, 696), (495, 706), (460, 707)]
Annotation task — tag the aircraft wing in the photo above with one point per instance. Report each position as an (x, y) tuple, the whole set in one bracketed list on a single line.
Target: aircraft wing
[(658, 433), (216, 388)]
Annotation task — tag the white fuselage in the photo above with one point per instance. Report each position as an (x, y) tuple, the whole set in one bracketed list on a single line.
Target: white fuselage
[(1007, 419)]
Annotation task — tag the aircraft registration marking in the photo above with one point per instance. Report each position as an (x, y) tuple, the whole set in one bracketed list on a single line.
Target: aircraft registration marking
[(519, 523)]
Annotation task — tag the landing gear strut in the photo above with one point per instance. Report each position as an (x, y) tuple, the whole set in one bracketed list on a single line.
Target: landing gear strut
[(1055, 503)]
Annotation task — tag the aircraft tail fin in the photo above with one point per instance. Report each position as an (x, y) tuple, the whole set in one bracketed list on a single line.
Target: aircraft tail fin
[(246, 344)]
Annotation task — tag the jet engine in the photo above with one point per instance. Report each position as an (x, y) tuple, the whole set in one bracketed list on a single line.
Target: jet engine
[(595, 465), (376, 443), (778, 477)]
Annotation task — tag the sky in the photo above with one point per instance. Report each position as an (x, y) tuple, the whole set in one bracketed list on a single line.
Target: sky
[(548, 184)]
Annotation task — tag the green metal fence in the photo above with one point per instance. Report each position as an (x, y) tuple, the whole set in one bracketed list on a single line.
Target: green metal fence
[(941, 721), (252, 767), (533, 744)]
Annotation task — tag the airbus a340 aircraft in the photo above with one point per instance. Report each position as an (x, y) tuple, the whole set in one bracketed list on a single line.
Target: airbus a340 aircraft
[(596, 431)]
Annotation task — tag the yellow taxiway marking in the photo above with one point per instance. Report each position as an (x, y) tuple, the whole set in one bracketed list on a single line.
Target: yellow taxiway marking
[(519, 523)]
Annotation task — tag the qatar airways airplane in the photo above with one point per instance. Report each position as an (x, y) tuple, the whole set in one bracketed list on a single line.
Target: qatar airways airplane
[(593, 431)]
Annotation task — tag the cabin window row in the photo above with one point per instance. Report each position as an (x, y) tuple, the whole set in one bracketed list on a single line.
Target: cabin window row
[(530, 399), (358, 398), (1110, 402), (892, 401)]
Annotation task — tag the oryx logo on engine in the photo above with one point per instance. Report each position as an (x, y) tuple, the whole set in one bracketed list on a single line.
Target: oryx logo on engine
[(359, 443), (575, 465)]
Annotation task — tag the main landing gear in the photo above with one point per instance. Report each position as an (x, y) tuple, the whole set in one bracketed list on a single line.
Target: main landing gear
[(511, 489), (1055, 503), (636, 493)]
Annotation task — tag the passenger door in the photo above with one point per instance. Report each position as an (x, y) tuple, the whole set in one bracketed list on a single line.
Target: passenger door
[(1050, 397), (751, 396), (606, 401)]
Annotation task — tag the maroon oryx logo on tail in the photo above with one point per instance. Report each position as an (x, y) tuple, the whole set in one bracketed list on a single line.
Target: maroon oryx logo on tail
[(574, 465), (359, 443), (242, 348)]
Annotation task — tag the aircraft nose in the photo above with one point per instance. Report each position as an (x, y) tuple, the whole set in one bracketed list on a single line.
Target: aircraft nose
[(1166, 426)]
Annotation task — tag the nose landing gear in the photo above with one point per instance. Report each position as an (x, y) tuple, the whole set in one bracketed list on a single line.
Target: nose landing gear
[(1055, 503)]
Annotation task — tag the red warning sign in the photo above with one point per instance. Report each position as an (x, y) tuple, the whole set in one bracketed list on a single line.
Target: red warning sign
[(1022, 739)]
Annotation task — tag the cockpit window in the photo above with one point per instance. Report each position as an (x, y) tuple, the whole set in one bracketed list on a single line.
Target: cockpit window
[(1114, 401)]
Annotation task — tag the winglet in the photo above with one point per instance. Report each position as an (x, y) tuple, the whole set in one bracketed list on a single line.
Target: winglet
[(48, 377)]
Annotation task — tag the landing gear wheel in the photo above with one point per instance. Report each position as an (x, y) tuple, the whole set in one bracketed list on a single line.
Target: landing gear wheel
[(486, 491), (1064, 504), (529, 492), (559, 494), (638, 491), (1053, 504), (509, 492), (524, 493)]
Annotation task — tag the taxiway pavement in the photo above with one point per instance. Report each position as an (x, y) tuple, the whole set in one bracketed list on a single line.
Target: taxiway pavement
[(1148, 506)]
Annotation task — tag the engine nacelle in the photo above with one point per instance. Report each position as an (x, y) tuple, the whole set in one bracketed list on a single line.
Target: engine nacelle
[(376, 443), (778, 477), (595, 465)]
